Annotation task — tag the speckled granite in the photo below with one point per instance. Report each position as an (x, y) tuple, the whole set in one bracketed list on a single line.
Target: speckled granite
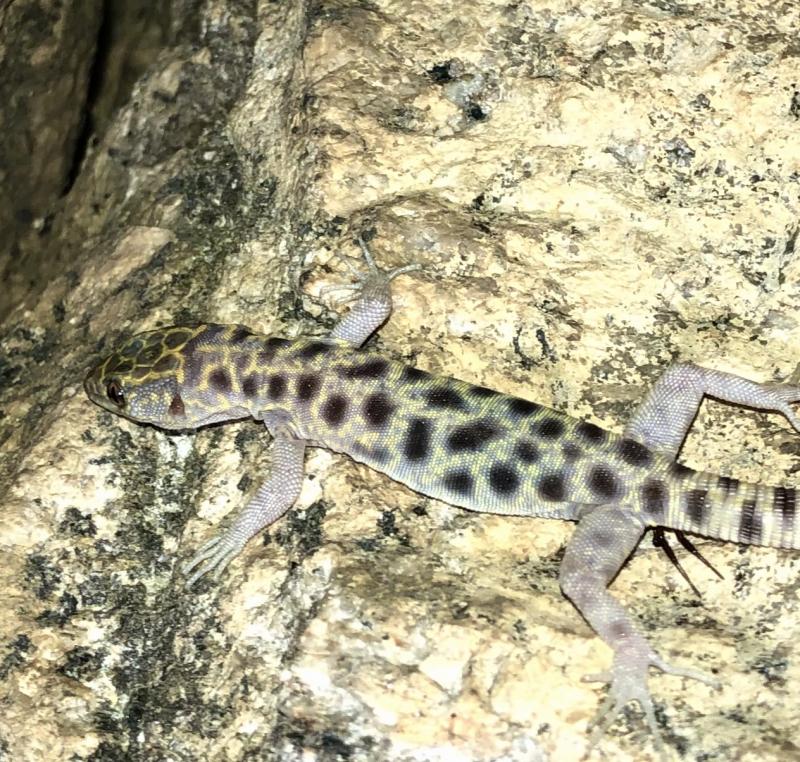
[(594, 190)]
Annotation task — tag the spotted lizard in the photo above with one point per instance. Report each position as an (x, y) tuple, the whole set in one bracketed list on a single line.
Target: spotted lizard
[(463, 443)]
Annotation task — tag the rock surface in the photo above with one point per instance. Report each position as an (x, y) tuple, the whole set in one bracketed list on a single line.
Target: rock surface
[(594, 190), (46, 53)]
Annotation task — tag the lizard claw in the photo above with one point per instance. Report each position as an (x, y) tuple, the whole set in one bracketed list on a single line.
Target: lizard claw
[(374, 280), (624, 686), (374, 270), (213, 556), (627, 682)]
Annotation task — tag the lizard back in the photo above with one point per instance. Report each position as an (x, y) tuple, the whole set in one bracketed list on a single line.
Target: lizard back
[(462, 443)]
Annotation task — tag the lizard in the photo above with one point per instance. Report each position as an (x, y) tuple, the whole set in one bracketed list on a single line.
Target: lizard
[(462, 443)]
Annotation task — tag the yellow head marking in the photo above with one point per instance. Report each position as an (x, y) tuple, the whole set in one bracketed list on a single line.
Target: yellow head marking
[(142, 379)]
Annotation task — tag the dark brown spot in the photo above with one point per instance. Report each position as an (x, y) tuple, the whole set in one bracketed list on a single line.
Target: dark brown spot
[(483, 392), (175, 339), (551, 486), (417, 440), (250, 385), (276, 386), (314, 349), (522, 407), (571, 452), (654, 498), (208, 334), (242, 363), (176, 407), (412, 375), (270, 349), (459, 482), (132, 347), (503, 479), (471, 436), (380, 454), (240, 333), (696, 505), (526, 451), (590, 432), (372, 368), (121, 366), (307, 386), (750, 523), (334, 409), (634, 453), (604, 482), (220, 380), (371, 454), (620, 629), (193, 367), (728, 485), (141, 371), (377, 409), (784, 505), (679, 471), (113, 363), (444, 398), (549, 428), (211, 333), (602, 538)]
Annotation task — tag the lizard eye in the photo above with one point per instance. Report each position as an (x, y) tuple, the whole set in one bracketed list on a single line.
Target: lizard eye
[(114, 393)]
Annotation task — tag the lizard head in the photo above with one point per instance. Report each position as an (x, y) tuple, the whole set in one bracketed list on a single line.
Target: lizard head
[(143, 380)]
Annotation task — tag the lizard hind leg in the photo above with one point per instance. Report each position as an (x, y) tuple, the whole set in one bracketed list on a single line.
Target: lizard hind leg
[(627, 682), (664, 417), (605, 537)]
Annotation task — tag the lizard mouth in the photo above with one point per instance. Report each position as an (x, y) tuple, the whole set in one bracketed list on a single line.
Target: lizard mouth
[(91, 383)]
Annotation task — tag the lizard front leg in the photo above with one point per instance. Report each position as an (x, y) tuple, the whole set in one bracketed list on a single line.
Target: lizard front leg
[(373, 303), (275, 496)]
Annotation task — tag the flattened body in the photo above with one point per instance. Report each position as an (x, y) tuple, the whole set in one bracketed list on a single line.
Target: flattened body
[(449, 439), (465, 444)]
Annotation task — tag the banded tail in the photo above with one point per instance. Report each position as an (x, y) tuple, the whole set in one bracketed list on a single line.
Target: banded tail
[(727, 509)]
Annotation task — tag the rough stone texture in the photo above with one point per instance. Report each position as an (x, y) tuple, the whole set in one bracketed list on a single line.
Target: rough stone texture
[(46, 52), (65, 67), (594, 190)]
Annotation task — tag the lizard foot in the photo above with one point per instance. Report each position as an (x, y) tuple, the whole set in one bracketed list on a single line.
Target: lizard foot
[(214, 556), (374, 280), (779, 396), (627, 681)]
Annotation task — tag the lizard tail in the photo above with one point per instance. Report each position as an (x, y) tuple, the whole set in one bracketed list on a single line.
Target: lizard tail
[(727, 509)]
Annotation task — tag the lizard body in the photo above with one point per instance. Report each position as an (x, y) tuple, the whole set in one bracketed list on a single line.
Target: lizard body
[(465, 444)]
